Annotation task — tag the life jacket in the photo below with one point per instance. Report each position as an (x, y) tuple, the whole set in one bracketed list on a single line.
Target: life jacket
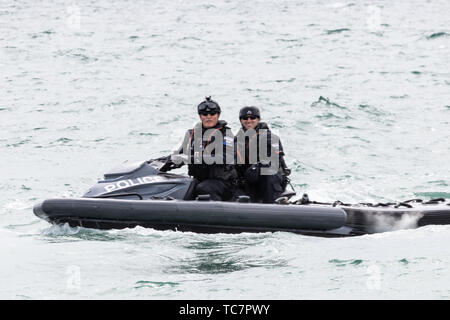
[(194, 141), (266, 134)]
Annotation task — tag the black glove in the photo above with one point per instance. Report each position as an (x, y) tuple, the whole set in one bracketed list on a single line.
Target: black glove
[(169, 166)]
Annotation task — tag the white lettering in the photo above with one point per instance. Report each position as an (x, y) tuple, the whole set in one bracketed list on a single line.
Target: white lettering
[(110, 187), (196, 310), (148, 179), (122, 184), (246, 309), (132, 183)]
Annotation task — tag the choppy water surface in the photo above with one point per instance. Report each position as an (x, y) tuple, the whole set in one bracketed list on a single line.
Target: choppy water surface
[(359, 93)]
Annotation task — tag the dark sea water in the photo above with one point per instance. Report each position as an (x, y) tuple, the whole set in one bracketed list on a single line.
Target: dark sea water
[(359, 93)]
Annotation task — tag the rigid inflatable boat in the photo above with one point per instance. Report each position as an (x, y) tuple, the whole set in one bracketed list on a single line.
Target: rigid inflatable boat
[(144, 194)]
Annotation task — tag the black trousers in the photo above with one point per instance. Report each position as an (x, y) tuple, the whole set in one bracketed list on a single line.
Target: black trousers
[(218, 190), (267, 189)]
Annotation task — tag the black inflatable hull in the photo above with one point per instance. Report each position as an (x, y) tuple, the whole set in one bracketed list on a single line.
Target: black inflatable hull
[(234, 217), (195, 216)]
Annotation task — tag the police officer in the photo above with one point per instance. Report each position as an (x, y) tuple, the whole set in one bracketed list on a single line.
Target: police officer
[(262, 186), (210, 150)]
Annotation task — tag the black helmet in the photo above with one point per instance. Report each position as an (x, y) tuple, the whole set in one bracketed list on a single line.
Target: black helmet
[(249, 111), (208, 105)]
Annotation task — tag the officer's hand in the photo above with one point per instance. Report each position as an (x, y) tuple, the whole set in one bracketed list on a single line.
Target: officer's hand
[(179, 159), (160, 159)]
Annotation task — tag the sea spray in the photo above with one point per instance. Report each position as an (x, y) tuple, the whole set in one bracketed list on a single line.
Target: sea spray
[(383, 222), (60, 230)]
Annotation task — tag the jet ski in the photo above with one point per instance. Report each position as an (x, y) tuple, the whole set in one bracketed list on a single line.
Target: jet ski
[(144, 194)]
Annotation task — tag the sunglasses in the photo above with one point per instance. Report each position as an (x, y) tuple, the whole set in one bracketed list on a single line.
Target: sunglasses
[(205, 113), (248, 117)]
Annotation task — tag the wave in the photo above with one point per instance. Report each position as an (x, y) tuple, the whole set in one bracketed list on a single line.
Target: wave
[(337, 31), (383, 223), (326, 101), (437, 35)]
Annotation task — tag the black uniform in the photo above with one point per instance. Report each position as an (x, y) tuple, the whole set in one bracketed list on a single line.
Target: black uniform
[(217, 180), (260, 188)]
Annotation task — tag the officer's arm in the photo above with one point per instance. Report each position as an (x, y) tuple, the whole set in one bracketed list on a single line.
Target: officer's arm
[(283, 165), (179, 157), (277, 148), (185, 146)]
